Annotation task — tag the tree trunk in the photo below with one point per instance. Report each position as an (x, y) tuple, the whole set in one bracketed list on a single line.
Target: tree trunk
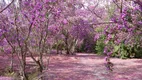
[(67, 46), (11, 63), (57, 48), (22, 69)]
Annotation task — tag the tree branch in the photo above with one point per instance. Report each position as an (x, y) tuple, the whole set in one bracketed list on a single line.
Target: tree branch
[(102, 23), (116, 4), (6, 6)]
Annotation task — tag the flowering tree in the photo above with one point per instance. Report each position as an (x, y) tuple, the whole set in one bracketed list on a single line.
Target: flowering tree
[(27, 19), (126, 30), (37, 25)]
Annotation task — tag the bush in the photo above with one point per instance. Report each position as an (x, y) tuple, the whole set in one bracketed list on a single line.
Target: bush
[(99, 48), (86, 46), (125, 51), (137, 51)]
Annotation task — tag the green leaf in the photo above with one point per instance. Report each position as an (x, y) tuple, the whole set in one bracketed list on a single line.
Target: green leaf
[(116, 48)]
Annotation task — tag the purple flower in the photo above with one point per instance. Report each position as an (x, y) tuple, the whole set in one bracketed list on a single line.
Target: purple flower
[(26, 3), (119, 27), (106, 41), (50, 0), (109, 36), (140, 22), (65, 21), (117, 41), (106, 28), (123, 15), (97, 36), (125, 24), (109, 53), (114, 19), (105, 50), (106, 58), (38, 6)]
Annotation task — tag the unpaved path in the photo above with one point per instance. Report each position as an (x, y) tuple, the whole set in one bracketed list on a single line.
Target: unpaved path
[(91, 67), (88, 67)]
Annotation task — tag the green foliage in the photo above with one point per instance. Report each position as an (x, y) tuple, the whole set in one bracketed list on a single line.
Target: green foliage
[(9, 74), (33, 76), (111, 9), (138, 51), (116, 48), (122, 51), (59, 45), (125, 51), (100, 45), (81, 48)]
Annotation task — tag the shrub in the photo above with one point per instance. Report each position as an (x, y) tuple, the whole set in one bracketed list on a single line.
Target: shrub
[(125, 51), (99, 48)]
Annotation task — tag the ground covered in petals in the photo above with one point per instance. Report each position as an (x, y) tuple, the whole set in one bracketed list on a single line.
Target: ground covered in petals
[(84, 67)]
